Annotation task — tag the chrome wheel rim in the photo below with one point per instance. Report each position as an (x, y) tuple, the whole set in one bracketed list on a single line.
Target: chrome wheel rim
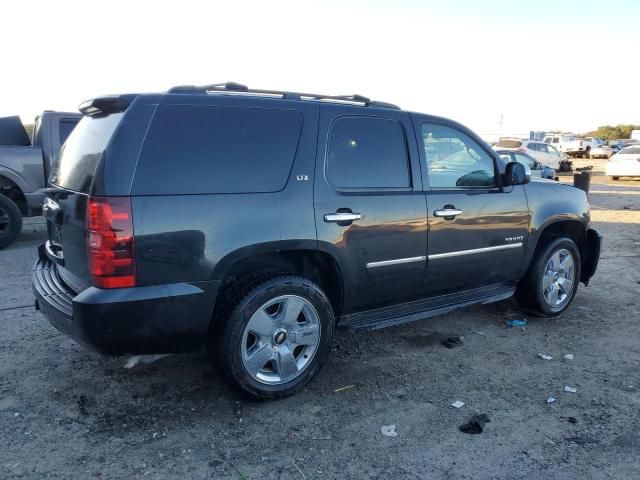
[(280, 339), (559, 279)]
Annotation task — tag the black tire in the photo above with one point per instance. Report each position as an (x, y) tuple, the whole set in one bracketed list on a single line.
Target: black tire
[(226, 335), (615, 178), (530, 291), (10, 221)]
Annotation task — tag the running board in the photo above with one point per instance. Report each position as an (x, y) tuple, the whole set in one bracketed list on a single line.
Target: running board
[(424, 308)]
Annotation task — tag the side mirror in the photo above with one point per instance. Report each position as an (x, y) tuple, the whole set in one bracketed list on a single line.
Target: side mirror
[(515, 173)]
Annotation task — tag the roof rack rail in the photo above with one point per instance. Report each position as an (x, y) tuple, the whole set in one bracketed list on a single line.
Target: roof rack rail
[(239, 89)]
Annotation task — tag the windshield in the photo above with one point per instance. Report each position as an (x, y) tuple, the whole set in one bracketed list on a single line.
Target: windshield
[(630, 151), (81, 152)]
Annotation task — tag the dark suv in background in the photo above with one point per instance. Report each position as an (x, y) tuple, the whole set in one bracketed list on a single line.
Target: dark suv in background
[(256, 221)]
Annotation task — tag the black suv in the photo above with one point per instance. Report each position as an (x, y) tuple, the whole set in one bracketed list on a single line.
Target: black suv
[(255, 221)]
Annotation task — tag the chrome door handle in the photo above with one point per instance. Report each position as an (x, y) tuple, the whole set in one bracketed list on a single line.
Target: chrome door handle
[(342, 217), (447, 212)]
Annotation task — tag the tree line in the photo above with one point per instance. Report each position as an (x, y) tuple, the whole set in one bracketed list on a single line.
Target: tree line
[(609, 132)]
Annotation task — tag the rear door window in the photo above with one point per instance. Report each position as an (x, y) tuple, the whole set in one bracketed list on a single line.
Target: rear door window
[(81, 152), (367, 153), (209, 149)]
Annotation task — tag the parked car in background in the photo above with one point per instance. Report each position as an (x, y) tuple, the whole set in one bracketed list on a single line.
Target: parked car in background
[(25, 166), (568, 144), (165, 234), (603, 151), (537, 169), (625, 163), (543, 153)]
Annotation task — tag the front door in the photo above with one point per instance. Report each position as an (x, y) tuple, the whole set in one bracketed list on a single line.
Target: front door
[(369, 204), (477, 228)]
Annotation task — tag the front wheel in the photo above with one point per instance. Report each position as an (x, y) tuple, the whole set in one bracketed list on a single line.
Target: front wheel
[(10, 221), (276, 338), (551, 282)]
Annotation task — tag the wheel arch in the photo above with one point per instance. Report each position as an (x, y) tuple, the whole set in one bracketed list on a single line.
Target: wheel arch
[(572, 228), (296, 257), (10, 189)]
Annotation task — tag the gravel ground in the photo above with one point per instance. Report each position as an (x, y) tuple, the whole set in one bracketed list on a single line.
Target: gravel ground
[(69, 413)]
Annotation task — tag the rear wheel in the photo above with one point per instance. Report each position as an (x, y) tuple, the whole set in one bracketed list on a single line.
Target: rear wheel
[(615, 178), (276, 337), (552, 279), (10, 221)]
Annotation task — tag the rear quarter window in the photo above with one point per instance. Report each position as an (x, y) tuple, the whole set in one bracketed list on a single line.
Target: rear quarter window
[(208, 149)]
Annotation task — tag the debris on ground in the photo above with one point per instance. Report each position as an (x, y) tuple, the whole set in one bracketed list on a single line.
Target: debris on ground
[(144, 359), (545, 357), (389, 430), (341, 389), (457, 404), (516, 323), (453, 342), (551, 400), (582, 440), (475, 424), (570, 389), (572, 420), (569, 356)]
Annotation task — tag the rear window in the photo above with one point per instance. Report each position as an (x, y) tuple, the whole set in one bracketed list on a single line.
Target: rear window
[(66, 126), (81, 152), (509, 143), (209, 149)]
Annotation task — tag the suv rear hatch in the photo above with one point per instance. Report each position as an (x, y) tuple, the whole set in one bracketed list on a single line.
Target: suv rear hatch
[(81, 229)]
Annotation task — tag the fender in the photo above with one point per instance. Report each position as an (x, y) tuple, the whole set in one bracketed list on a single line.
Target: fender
[(14, 177)]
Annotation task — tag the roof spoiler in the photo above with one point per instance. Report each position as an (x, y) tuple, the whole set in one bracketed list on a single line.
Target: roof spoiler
[(103, 106)]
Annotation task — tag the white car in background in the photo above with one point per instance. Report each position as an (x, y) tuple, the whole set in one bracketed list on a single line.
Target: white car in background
[(543, 153), (603, 151), (625, 163)]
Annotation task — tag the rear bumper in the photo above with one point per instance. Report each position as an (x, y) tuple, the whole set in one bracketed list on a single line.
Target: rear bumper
[(591, 255), (168, 318)]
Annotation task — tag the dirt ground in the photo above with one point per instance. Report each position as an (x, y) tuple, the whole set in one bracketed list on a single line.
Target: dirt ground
[(68, 413)]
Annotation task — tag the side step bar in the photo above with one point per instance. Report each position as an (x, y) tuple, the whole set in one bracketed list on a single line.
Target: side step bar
[(425, 308)]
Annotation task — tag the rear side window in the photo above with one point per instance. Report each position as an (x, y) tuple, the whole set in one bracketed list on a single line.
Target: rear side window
[(507, 143), (209, 149), (65, 128), (367, 153), (81, 152)]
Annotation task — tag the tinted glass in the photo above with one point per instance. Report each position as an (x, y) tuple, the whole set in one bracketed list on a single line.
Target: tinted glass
[(66, 126), (630, 151), (208, 149), (367, 153), (455, 160), (535, 147), (508, 143), (81, 152), (525, 160)]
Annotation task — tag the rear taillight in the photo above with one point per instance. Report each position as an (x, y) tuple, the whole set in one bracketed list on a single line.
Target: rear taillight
[(110, 242)]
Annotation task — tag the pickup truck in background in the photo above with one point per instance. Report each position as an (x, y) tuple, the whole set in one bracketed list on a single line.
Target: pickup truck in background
[(25, 166), (573, 145)]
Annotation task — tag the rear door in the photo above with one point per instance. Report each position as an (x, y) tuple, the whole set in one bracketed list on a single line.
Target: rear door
[(477, 229), (65, 207), (369, 205)]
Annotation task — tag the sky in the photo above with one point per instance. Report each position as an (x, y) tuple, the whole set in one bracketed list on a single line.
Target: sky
[(498, 66)]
